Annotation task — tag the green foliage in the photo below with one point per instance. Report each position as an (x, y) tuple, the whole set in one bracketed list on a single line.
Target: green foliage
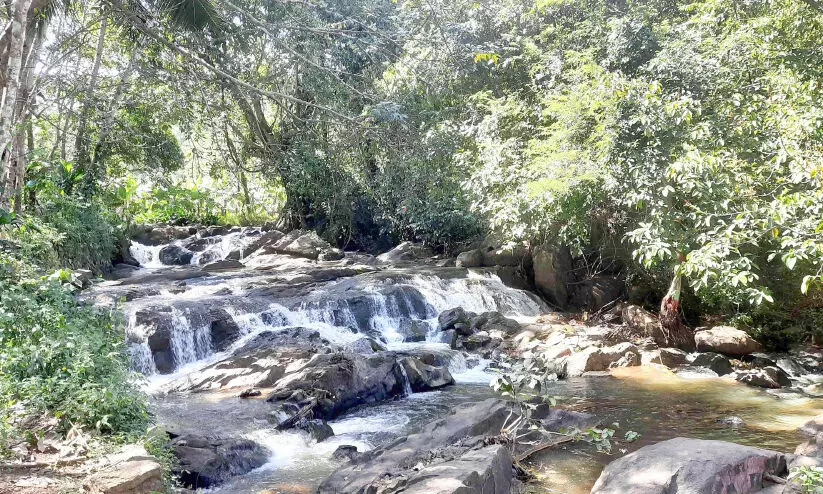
[(174, 204), (65, 359), (810, 479)]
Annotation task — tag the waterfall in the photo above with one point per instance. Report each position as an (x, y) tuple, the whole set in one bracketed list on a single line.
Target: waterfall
[(407, 389)]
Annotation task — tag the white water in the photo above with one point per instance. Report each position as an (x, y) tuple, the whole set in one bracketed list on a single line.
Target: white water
[(149, 255)]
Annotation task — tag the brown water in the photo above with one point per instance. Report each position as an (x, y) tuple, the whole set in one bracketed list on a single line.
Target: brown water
[(660, 405)]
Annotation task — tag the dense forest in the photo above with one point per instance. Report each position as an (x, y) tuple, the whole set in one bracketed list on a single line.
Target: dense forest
[(679, 144)]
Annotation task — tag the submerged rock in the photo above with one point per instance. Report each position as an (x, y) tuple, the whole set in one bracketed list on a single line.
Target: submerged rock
[(691, 466), (726, 339)]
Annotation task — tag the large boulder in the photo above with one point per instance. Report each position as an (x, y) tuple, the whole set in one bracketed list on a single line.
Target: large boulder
[(726, 339), (424, 377), (457, 319), (206, 462), (552, 273), (175, 255), (224, 330), (508, 254), (594, 359), (268, 238), (495, 321), (693, 466), (332, 383), (597, 292)]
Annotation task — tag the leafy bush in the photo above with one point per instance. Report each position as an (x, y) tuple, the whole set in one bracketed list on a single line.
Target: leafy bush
[(174, 204), (66, 360)]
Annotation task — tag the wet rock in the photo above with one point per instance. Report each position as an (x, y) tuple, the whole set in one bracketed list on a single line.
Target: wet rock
[(208, 462), (457, 319), (391, 467), (319, 430), (250, 393), (224, 330), (365, 346), (175, 255), (691, 465), (345, 452), (413, 330), (552, 273), (331, 383), (790, 367), (759, 360), (510, 254), (405, 252), (424, 377), (601, 359), (470, 259), (449, 337), (726, 339), (716, 362), (122, 271), (220, 266), (495, 321), (200, 244), (478, 341), (767, 377), (731, 421)]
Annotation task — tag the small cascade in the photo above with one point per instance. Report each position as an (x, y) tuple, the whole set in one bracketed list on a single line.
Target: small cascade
[(141, 358), (407, 389), (147, 255), (189, 344)]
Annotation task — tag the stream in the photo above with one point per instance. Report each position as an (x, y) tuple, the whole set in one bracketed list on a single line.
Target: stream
[(171, 313)]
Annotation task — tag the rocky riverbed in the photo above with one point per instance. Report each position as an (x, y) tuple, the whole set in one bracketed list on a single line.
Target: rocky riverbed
[(278, 363)]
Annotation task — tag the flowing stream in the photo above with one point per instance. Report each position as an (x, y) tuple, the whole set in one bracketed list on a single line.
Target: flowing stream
[(389, 304)]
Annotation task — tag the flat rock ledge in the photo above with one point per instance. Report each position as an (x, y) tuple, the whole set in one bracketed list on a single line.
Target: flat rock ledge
[(692, 466)]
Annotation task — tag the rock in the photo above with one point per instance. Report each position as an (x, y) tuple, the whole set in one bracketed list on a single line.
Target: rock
[(553, 273), (223, 329), (335, 382), (376, 471), (405, 252), (219, 266), (129, 477), (510, 254), (175, 255), (478, 341), (250, 393), (299, 243), (365, 346), (601, 359), (449, 337), (207, 462), (495, 321), (470, 259), (487, 470), (726, 339), (454, 318), (813, 427), (424, 377), (717, 363), (767, 377), (670, 357), (331, 255), (691, 466), (345, 453), (731, 421), (267, 238), (413, 330), (319, 430), (160, 235), (759, 360)]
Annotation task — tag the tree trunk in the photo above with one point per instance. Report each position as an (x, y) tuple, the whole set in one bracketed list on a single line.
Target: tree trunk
[(81, 143), (675, 332), (19, 16)]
